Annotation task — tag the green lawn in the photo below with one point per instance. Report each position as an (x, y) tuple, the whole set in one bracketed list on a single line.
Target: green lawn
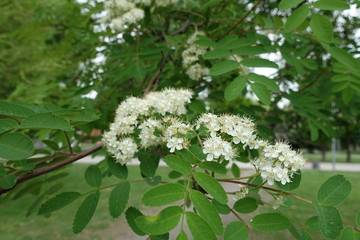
[(58, 226), (340, 157)]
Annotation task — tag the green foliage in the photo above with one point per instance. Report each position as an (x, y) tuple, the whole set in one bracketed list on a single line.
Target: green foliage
[(207, 211), (15, 146), (198, 227), (211, 186), (7, 124), (162, 223), (331, 5), (329, 221), (59, 201), (131, 214), (297, 18), (333, 191), (213, 166), (116, 169), (235, 88), (245, 205), (295, 182), (85, 212), (223, 67), (93, 176), (178, 164), (270, 222), (164, 194), (118, 199), (322, 28), (236, 231)]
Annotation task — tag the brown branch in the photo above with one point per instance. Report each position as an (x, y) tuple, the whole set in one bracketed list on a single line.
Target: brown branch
[(240, 21), (313, 81), (69, 143), (156, 76), (46, 169)]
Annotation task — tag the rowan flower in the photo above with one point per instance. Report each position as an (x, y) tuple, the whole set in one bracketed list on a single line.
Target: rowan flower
[(243, 191), (215, 147)]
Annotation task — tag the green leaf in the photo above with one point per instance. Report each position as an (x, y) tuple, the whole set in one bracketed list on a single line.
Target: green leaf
[(14, 110), (250, 50), (46, 120), (148, 165), (236, 231), (8, 181), (216, 53), (256, 181), (344, 57), (221, 208), (118, 170), (297, 17), (15, 146), (287, 4), (262, 93), (118, 199), (199, 229), (269, 83), (205, 41), (162, 223), (211, 186), (270, 222), (329, 221), (177, 163), (295, 182), (78, 115), (213, 166), (164, 194), (313, 223), (235, 170), (331, 5), (322, 28), (93, 176), (207, 211), (334, 190), (223, 67), (233, 42), (188, 156), (131, 214), (348, 233), (85, 212), (182, 236), (357, 220), (59, 201), (7, 124), (235, 88), (258, 62), (246, 205)]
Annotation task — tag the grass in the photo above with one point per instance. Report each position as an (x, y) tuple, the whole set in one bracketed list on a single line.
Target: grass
[(15, 226), (340, 157)]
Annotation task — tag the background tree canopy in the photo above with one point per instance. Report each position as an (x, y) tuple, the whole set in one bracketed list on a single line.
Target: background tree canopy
[(291, 65)]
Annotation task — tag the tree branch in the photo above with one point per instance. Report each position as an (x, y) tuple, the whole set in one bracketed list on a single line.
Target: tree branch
[(46, 169)]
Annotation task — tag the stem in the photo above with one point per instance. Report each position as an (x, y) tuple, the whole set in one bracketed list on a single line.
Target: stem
[(50, 168), (69, 143), (241, 220), (238, 22)]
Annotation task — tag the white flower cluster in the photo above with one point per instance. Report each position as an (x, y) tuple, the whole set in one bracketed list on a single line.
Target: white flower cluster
[(243, 191), (191, 58), (278, 202), (278, 162), (124, 12), (137, 113), (165, 3), (214, 147)]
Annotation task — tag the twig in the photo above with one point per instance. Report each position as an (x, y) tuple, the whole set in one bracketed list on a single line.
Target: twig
[(157, 75), (46, 169), (247, 226), (238, 22), (69, 143), (313, 81)]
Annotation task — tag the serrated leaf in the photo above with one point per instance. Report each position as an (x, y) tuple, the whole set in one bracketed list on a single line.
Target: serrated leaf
[(182, 236), (148, 165), (297, 17), (162, 223), (258, 62), (8, 181), (117, 169), (14, 110), (205, 41), (236, 231), (7, 124), (85, 212), (207, 211), (270, 222), (177, 163), (189, 156), (118, 199), (246, 205), (329, 221), (46, 120), (221, 208), (15, 146), (199, 229), (287, 4), (344, 57), (269, 83), (216, 54), (235, 88), (223, 67), (262, 93), (232, 42), (322, 28), (164, 194), (93, 176), (334, 190), (131, 214), (211, 186), (331, 5), (59, 201), (213, 166), (295, 182), (249, 50)]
